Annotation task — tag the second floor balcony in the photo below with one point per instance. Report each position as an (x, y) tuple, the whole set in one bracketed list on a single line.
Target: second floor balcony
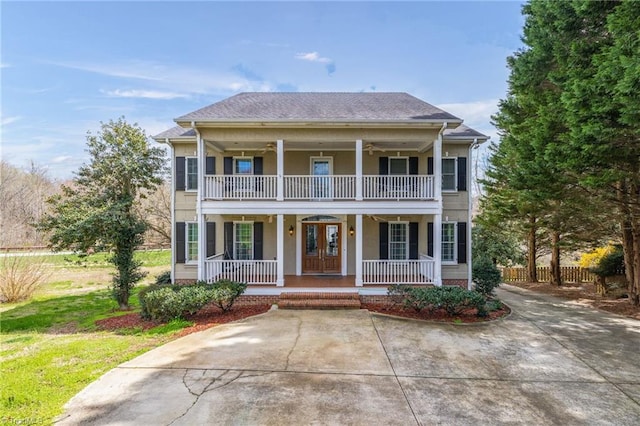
[(320, 188)]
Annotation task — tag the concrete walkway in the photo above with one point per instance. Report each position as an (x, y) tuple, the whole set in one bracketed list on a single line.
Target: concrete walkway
[(550, 362)]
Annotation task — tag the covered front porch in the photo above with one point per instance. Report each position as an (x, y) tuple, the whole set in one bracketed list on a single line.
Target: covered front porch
[(311, 250)]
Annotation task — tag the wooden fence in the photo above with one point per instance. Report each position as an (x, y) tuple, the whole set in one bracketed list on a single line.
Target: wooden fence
[(570, 274)]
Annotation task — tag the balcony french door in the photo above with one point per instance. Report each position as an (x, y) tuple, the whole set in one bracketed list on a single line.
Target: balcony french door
[(321, 183), (321, 248)]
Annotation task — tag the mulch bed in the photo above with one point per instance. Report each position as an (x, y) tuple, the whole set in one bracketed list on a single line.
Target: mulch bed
[(211, 316), (205, 318), (440, 315)]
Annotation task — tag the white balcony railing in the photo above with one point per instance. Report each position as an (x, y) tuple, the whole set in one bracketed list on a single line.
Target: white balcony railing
[(419, 271), (333, 187), (252, 272), (397, 187), (239, 187)]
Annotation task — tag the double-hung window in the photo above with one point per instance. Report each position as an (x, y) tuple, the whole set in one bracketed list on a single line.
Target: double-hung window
[(398, 166), (449, 242), (243, 240), (398, 241), (191, 173), (449, 174), (191, 241), (243, 166)]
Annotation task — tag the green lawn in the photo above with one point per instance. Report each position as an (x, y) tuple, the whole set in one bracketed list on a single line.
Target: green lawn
[(148, 257), (50, 348)]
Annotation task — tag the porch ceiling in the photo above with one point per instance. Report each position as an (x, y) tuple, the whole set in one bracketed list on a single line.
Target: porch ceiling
[(265, 147)]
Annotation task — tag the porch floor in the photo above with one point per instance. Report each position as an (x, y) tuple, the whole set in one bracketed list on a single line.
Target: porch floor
[(328, 281)]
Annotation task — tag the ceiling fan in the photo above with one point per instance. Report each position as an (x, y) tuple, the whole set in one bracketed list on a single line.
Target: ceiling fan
[(377, 218), (270, 147), (371, 147)]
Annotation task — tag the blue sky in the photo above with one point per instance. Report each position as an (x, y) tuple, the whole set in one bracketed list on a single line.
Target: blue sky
[(66, 66)]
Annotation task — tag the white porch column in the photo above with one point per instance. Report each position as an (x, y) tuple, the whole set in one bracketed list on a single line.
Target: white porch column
[(280, 170), (202, 227), (437, 168), (359, 170), (359, 233), (280, 250), (437, 249)]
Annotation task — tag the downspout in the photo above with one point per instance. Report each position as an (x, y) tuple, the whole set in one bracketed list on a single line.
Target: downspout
[(173, 212), (202, 244), (437, 222), (473, 146)]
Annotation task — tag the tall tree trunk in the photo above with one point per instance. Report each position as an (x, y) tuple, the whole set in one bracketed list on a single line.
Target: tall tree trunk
[(630, 244), (556, 276), (532, 250), (634, 284)]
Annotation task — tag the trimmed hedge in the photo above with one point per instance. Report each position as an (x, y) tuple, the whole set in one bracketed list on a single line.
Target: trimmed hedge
[(486, 276), (167, 302), (452, 299)]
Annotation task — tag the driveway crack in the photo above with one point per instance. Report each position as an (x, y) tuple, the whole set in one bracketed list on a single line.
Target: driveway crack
[(295, 343), (404, 393)]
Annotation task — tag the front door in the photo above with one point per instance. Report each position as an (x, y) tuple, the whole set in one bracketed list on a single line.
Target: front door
[(321, 248)]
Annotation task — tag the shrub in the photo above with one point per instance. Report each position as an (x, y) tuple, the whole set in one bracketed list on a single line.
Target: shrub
[(194, 298), (486, 276), (398, 293), (455, 299), (611, 263), (452, 299), (20, 277), (163, 304), (226, 292), (164, 278), (168, 302)]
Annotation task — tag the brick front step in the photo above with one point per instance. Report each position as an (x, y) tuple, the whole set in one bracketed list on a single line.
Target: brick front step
[(305, 300)]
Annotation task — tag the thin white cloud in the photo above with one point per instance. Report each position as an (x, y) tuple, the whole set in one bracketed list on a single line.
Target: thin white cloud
[(176, 79), (61, 159), (4, 121), (147, 94), (313, 57), (4, 65), (134, 70)]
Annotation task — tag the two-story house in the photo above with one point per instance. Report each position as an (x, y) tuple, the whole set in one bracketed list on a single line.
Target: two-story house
[(316, 190)]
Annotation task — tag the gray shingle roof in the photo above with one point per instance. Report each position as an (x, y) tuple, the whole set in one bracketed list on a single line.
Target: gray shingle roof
[(463, 131), (176, 132), (279, 106)]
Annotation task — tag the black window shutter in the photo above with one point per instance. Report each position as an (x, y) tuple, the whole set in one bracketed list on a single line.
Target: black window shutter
[(210, 168), (257, 165), (228, 240), (462, 242), (430, 239), (383, 166), (413, 165), (181, 173), (211, 239), (429, 165), (413, 240), (384, 240), (180, 242), (462, 173), (228, 165), (257, 240), (257, 170)]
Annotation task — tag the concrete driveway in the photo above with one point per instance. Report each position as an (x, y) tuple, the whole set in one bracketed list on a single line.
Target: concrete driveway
[(550, 362)]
